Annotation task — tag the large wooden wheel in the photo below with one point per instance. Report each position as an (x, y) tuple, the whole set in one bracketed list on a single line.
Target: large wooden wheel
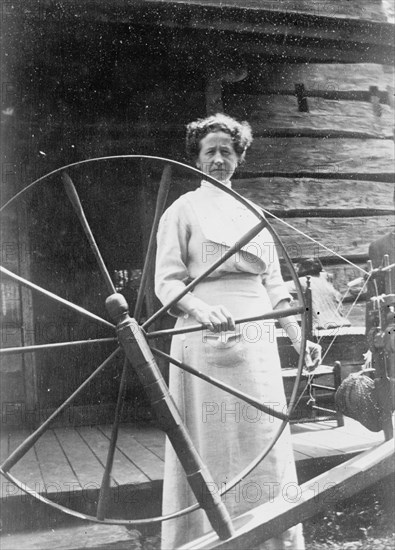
[(134, 340)]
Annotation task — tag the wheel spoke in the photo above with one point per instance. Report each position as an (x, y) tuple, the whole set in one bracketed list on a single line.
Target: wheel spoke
[(57, 345), (215, 382), (232, 250), (31, 440), (75, 201), (58, 299), (274, 314), (105, 484), (164, 187)]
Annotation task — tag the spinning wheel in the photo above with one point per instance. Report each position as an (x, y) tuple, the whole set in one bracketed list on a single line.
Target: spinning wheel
[(134, 340)]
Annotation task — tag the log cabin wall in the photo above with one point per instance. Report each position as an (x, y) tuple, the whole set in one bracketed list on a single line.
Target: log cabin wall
[(335, 144), (123, 81)]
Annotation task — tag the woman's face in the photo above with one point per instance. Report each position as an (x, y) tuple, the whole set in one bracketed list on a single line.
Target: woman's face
[(217, 156)]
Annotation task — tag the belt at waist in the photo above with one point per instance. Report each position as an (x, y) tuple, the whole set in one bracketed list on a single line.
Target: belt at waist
[(242, 275)]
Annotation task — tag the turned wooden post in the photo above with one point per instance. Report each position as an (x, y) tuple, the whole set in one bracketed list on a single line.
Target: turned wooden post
[(380, 359), (132, 339)]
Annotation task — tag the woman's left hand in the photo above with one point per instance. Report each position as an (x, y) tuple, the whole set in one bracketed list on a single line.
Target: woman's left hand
[(312, 356)]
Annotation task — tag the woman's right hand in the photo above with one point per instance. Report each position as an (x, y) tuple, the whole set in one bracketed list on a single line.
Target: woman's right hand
[(214, 318)]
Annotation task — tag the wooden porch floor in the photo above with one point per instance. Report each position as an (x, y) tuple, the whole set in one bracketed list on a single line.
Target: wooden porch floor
[(67, 463)]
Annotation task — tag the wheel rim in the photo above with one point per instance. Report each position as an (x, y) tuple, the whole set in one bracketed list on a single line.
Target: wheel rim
[(168, 162)]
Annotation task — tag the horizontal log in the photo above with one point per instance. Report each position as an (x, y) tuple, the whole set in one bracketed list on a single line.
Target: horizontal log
[(317, 78), (317, 50), (344, 236), (381, 177), (296, 158), (277, 194), (332, 213), (250, 87), (383, 97), (161, 129), (325, 118), (340, 155), (378, 131), (358, 259), (287, 198), (325, 133)]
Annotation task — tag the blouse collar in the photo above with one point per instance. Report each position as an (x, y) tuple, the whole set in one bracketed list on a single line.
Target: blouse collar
[(207, 185)]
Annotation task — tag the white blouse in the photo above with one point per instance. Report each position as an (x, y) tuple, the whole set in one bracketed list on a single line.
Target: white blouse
[(184, 250)]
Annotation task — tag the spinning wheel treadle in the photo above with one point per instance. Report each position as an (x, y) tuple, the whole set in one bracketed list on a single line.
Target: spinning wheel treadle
[(134, 344)]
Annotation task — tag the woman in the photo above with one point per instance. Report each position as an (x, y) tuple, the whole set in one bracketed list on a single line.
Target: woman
[(193, 233)]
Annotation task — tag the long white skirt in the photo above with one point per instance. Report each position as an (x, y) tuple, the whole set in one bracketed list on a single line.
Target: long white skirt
[(227, 432)]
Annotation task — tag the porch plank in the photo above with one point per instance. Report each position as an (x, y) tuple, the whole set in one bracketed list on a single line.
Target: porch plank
[(124, 471), (150, 438), (351, 427), (86, 465), (355, 430), (302, 427), (56, 471), (27, 470), (350, 438), (319, 446), (311, 451), (143, 458)]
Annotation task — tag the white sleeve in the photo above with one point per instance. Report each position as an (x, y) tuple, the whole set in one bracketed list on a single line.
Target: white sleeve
[(171, 271)]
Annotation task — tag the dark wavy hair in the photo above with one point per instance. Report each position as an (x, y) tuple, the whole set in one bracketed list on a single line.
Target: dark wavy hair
[(240, 132), (309, 266)]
